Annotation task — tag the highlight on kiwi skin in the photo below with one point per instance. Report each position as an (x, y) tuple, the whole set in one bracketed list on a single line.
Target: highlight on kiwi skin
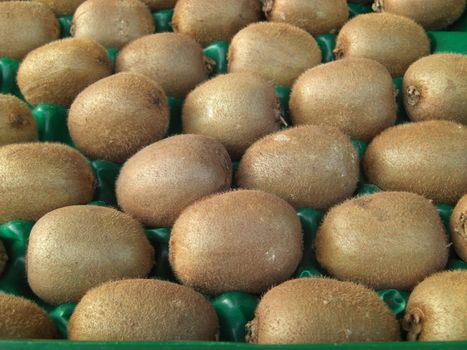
[(431, 14), (3, 258), (249, 110), (50, 176), (259, 232), (17, 38), (22, 319), (408, 241), (435, 87), (175, 61), (316, 17), (159, 181), (112, 23), (436, 308), (17, 123), (278, 52), (321, 311), (143, 310), (428, 158), (208, 21), (366, 36), (78, 62), (61, 7), (354, 94), (458, 226)]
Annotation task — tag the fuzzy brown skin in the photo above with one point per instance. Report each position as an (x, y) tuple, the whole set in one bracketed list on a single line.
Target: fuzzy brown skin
[(112, 23), (117, 116), (366, 36), (428, 158), (430, 14), (436, 310), (107, 245), (243, 240), (207, 21), (62, 7), (22, 319), (40, 177), (458, 225), (435, 87), (159, 181), (308, 166), (137, 310), (237, 109), (175, 61), (76, 63), (279, 52), (387, 240), (3, 258), (315, 16), (321, 310), (354, 94), (25, 26), (160, 4), (16, 121)]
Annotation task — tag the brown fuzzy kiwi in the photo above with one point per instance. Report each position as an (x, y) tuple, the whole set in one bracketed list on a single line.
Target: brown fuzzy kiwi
[(40, 177), (175, 61), (367, 36), (207, 21), (321, 310), (17, 123), (242, 240), (22, 319), (384, 240), (435, 87), (62, 7), (458, 225), (308, 166), (354, 94), (25, 26), (112, 23), (430, 14), (428, 158), (117, 116), (59, 71), (279, 52), (159, 181), (160, 4), (106, 245), (316, 17), (136, 310), (3, 258), (436, 310), (249, 110)]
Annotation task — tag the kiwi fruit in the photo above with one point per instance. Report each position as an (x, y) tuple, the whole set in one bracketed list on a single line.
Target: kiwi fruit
[(321, 310), (458, 226), (207, 21), (249, 110), (160, 4), (430, 14), (366, 36), (175, 61), (25, 26), (159, 181), (22, 319), (436, 308), (62, 7), (115, 117), (40, 177), (309, 166), (316, 17), (241, 240), (17, 123), (59, 71), (137, 309), (279, 52), (355, 94), (408, 241), (435, 87), (428, 158), (112, 23), (3, 258)]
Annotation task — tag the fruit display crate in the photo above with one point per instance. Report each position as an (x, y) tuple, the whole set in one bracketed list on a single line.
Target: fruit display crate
[(234, 309)]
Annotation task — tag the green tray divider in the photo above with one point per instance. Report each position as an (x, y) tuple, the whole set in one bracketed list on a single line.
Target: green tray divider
[(163, 20), (453, 42), (216, 54), (65, 23), (106, 175), (396, 300), (175, 123), (327, 44), (358, 9), (283, 94), (461, 24), (8, 69), (159, 238), (112, 53), (51, 122), (401, 114)]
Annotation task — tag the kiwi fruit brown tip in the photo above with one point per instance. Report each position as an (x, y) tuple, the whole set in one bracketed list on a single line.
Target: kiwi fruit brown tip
[(458, 226)]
